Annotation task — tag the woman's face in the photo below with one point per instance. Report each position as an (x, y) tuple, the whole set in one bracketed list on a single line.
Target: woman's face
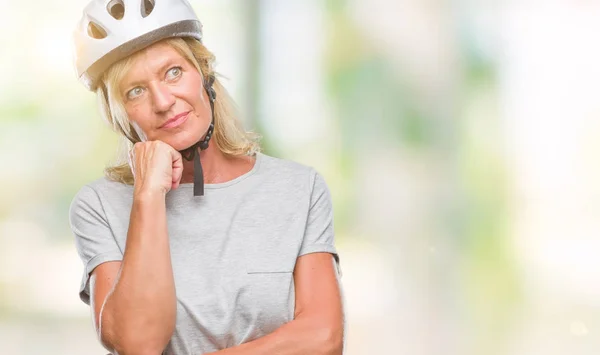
[(164, 97)]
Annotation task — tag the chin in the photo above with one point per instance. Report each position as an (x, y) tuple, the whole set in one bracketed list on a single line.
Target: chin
[(180, 144), (185, 135), (183, 140)]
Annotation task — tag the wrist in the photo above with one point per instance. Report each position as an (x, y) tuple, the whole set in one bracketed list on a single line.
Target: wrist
[(148, 195)]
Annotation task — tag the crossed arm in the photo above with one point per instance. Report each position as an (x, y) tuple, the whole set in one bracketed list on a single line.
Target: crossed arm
[(123, 304), (317, 327)]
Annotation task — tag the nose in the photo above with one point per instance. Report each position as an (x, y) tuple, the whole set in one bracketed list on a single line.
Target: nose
[(162, 97)]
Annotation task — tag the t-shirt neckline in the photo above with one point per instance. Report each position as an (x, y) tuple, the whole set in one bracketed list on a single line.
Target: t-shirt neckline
[(220, 185)]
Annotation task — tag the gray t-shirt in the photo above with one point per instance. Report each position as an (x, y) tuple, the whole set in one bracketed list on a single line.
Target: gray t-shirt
[(233, 250)]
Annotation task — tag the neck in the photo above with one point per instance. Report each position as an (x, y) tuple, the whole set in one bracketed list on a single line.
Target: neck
[(214, 166)]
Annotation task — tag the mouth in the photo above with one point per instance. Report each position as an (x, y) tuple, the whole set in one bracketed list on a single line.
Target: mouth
[(175, 121)]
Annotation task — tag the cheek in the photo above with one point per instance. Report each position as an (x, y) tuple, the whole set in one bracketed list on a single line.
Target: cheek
[(139, 120), (193, 91), (137, 114)]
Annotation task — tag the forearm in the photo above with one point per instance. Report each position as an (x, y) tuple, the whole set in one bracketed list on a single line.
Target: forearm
[(299, 337), (139, 314)]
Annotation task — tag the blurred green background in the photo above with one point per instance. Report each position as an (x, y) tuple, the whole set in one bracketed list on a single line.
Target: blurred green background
[(459, 139)]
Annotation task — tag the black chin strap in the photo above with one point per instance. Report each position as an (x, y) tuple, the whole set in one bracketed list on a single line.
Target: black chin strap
[(192, 152)]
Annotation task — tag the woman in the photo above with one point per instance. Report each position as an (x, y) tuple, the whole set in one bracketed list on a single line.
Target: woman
[(244, 265)]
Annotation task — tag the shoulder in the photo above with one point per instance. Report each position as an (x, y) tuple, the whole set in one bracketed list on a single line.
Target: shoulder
[(93, 193), (290, 171)]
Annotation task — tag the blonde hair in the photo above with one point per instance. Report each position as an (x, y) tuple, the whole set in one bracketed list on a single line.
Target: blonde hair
[(229, 135)]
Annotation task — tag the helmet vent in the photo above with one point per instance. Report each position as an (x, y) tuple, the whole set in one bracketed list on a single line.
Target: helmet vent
[(96, 31), (116, 9), (147, 7)]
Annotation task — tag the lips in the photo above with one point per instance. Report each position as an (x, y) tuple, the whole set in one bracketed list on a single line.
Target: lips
[(176, 121)]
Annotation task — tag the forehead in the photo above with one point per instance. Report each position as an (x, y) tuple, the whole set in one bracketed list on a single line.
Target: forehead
[(149, 61)]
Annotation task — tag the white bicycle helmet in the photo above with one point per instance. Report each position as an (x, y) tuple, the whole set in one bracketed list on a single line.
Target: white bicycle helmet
[(111, 30)]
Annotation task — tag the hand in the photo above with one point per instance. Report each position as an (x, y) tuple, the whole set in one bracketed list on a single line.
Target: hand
[(156, 167)]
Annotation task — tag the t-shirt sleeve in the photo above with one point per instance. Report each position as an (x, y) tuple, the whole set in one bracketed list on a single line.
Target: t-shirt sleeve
[(319, 235), (94, 238)]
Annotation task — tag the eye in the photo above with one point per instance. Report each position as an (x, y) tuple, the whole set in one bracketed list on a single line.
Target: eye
[(135, 92), (174, 73)]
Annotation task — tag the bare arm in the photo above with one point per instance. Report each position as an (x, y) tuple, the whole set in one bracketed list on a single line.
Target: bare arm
[(317, 328), (134, 300)]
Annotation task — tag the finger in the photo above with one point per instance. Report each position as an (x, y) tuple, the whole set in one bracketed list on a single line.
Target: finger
[(131, 161)]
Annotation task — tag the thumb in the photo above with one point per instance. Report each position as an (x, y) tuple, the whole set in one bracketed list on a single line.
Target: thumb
[(177, 168)]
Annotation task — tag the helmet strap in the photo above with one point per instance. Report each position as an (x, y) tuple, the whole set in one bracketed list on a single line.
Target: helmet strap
[(192, 152)]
